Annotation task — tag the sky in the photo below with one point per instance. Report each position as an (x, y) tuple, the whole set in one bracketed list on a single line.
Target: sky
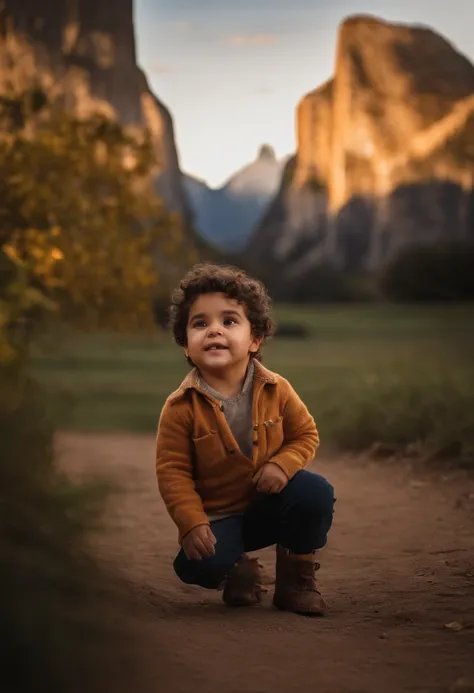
[(232, 72)]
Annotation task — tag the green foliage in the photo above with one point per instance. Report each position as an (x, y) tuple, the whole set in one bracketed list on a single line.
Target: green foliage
[(325, 283), (80, 222), (415, 405), (441, 272)]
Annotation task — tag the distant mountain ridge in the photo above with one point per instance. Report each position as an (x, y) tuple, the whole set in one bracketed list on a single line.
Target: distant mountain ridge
[(225, 217)]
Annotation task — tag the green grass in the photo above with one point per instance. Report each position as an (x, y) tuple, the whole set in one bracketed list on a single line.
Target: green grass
[(389, 374)]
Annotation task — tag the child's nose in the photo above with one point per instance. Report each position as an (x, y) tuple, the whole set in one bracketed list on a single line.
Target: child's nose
[(215, 330)]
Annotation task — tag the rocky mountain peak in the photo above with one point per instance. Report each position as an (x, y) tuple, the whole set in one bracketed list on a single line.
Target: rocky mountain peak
[(384, 157), (267, 152)]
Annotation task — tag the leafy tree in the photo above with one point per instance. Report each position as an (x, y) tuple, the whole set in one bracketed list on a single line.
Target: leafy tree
[(441, 272), (81, 228)]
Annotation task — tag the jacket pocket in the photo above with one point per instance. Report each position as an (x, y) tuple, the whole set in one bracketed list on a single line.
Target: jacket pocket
[(209, 451), (274, 435)]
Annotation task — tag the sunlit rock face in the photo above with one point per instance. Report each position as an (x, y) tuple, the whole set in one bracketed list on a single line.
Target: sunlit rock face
[(83, 53), (385, 155)]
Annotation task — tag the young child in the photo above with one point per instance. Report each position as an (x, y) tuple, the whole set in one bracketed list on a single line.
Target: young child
[(232, 444)]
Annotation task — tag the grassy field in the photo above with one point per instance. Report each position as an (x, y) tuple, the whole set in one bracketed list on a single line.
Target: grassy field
[(373, 374)]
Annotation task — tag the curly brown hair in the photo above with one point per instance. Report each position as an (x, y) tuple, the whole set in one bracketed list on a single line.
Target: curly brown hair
[(206, 278)]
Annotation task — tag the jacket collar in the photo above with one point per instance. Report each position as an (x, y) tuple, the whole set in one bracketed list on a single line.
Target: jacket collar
[(191, 381)]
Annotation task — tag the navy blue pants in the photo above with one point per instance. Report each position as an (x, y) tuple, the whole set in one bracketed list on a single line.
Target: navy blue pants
[(298, 519)]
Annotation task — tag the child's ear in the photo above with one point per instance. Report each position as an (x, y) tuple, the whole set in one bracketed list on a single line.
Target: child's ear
[(256, 344)]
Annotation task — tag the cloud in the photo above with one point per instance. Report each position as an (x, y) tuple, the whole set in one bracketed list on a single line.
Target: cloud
[(251, 39)]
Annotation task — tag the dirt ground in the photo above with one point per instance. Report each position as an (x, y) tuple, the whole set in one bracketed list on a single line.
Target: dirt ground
[(398, 569)]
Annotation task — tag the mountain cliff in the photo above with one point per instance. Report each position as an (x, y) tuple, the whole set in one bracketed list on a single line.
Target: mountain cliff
[(82, 52), (226, 216), (385, 155)]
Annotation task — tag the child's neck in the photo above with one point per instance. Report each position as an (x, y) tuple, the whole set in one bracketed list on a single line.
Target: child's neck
[(228, 382)]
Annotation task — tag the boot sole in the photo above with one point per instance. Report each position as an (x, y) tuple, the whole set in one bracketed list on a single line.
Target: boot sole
[(242, 602), (301, 612)]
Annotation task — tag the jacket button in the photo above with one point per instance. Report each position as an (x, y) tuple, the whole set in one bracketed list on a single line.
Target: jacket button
[(255, 442), (255, 427)]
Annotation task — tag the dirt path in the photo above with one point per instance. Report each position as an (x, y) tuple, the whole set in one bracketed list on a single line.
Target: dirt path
[(400, 565)]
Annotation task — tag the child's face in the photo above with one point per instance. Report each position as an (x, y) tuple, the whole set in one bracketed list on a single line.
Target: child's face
[(219, 334)]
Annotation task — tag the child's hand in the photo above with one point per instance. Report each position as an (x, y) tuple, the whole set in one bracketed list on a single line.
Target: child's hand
[(199, 543), (270, 478)]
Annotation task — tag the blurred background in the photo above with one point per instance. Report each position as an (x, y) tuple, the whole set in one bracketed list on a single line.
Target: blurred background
[(327, 149)]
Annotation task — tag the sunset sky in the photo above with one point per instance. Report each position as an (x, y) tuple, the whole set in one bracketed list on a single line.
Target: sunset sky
[(232, 71)]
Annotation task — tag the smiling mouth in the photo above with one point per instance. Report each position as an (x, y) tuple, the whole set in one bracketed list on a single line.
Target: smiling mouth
[(216, 347)]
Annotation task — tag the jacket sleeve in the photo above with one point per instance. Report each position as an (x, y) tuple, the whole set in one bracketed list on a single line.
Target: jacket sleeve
[(301, 437), (175, 473)]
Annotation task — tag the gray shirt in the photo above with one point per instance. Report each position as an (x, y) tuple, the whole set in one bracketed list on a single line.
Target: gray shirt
[(238, 411)]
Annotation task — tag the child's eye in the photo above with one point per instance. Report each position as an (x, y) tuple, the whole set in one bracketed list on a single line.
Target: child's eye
[(230, 321), (199, 323)]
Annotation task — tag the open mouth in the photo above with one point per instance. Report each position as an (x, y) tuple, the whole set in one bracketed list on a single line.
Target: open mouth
[(215, 347)]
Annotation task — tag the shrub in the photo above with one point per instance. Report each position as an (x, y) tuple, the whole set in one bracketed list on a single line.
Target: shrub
[(423, 407), (441, 272), (57, 603)]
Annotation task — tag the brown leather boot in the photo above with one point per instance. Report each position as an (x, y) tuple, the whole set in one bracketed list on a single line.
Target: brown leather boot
[(296, 589), (243, 585)]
